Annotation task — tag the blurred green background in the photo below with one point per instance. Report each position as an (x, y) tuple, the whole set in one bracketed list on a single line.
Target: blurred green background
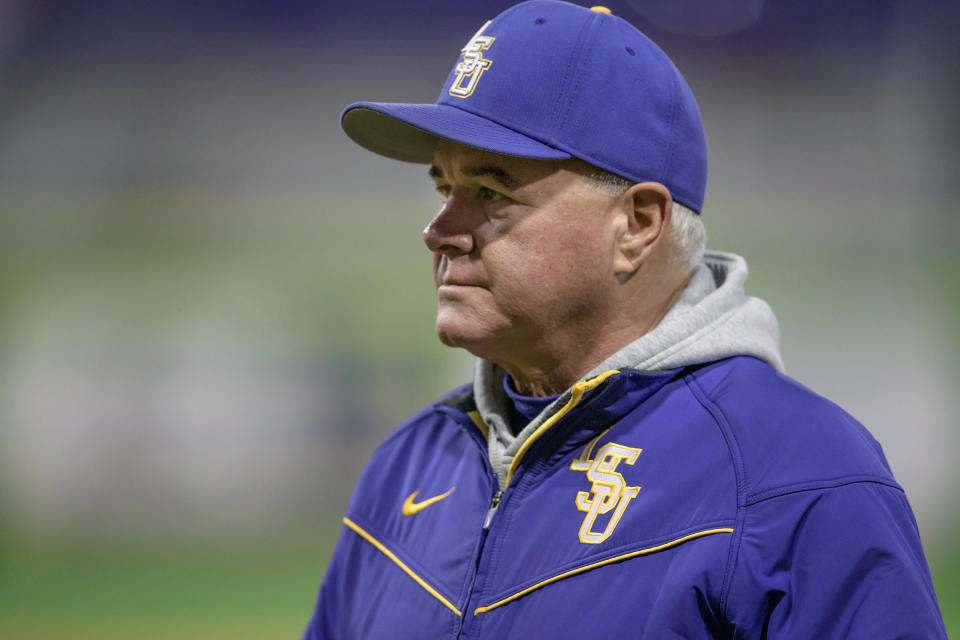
[(213, 306)]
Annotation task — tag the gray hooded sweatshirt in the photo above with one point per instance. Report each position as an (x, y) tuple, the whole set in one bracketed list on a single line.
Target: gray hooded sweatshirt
[(712, 319)]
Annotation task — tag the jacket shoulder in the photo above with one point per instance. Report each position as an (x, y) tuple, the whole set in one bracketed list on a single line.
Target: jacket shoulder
[(784, 436), (441, 431)]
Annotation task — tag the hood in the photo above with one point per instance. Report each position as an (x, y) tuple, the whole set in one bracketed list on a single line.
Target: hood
[(712, 319)]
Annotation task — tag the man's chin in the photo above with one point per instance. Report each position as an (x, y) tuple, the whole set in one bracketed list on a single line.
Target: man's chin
[(456, 332), (453, 337)]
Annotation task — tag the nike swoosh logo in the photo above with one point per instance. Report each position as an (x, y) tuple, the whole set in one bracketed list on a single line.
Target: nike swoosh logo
[(410, 507)]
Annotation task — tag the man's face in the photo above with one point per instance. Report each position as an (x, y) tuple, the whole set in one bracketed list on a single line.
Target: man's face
[(522, 253)]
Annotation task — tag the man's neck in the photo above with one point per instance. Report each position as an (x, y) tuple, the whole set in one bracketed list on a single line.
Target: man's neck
[(554, 367)]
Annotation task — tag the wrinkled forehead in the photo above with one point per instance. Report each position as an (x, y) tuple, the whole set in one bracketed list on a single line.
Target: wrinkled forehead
[(456, 161)]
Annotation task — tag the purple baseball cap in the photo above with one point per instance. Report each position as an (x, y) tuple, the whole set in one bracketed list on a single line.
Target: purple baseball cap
[(552, 80)]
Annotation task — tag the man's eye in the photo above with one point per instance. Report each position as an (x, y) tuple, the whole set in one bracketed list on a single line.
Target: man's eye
[(489, 194)]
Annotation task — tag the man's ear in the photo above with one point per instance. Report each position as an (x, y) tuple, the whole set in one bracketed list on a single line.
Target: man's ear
[(646, 211)]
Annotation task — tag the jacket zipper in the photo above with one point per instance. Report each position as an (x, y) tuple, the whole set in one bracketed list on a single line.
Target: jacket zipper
[(577, 393), (485, 529), (494, 503)]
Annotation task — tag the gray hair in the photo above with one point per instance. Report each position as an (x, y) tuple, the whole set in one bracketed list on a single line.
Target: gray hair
[(686, 227)]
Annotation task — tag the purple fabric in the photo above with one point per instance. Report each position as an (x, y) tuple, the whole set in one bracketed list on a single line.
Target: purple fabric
[(554, 80), (762, 511), (523, 408)]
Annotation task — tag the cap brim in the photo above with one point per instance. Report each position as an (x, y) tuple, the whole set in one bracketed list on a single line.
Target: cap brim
[(411, 132)]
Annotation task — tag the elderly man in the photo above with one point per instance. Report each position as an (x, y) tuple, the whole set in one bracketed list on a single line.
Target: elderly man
[(630, 460)]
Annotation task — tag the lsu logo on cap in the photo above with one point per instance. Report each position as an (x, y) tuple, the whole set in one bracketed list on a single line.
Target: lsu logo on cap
[(472, 64), (609, 491)]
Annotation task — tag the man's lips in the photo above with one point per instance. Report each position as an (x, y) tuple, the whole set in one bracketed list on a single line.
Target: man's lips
[(450, 281), (452, 287)]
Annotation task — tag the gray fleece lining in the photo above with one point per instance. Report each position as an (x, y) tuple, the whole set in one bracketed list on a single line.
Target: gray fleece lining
[(712, 319)]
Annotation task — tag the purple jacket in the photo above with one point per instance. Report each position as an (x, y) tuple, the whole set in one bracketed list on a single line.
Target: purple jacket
[(717, 501)]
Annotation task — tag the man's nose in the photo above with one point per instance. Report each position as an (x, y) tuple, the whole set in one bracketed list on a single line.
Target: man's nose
[(450, 233)]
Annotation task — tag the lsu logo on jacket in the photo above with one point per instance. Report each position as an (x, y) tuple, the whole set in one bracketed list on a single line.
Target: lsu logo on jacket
[(608, 491)]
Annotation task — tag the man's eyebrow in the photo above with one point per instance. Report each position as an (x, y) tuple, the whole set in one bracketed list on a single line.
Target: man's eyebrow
[(479, 171), (492, 171)]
